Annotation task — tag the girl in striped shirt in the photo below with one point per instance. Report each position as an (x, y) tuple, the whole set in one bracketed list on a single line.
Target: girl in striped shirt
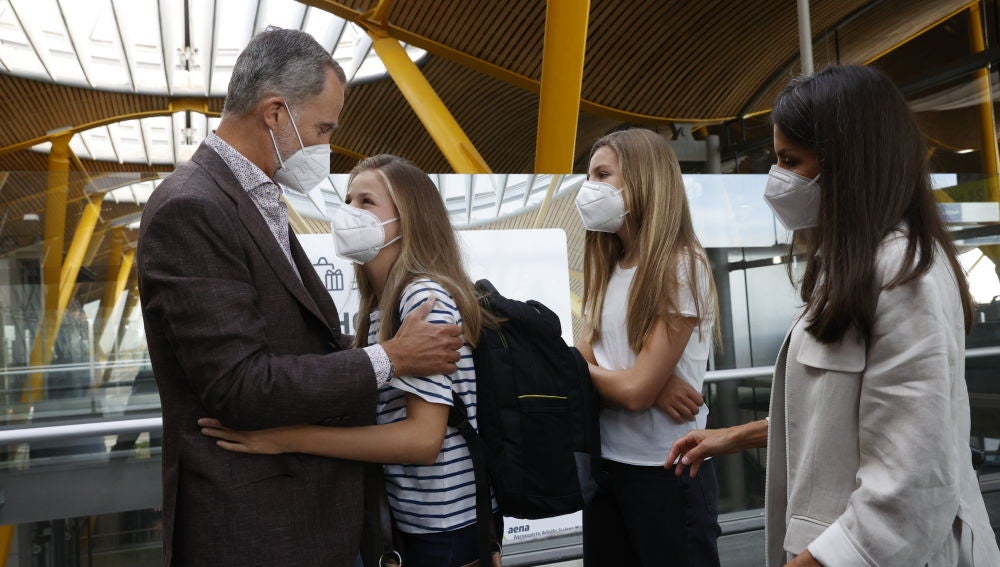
[(428, 472)]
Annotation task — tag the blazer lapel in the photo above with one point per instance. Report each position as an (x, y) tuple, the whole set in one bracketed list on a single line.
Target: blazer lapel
[(254, 223)]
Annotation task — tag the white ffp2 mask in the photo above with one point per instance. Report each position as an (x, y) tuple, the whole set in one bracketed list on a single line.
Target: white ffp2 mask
[(793, 198), (601, 206), (304, 169), (359, 235)]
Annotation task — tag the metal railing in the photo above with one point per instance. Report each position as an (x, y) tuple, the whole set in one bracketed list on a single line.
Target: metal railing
[(714, 376), (28, 434), (56, 368)]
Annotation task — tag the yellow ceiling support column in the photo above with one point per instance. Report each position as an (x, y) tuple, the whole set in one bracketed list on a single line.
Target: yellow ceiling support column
[(543, 211), (128, 260), (55, 230), (131, 301), (56, 196), (6, 534), (380, 13), (496, 71), (84, 245), (110, 296), (987, 125), (124, 270), (562, 78), (433, 114), (991, 251), (78, 249), (96, 242), (576, 304), (299, 224)]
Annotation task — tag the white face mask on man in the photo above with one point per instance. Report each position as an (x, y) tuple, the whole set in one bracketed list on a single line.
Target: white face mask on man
[(359, 235), (601, 206), (303, 171), (793, 198)]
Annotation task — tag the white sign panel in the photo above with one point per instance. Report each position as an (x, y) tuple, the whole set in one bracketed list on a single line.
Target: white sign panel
[(521, 264)]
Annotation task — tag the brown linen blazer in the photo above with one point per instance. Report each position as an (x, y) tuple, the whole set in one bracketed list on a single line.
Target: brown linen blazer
[(234, 334)]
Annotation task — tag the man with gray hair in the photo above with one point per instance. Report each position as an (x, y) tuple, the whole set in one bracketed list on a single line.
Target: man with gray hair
[(240, 327)]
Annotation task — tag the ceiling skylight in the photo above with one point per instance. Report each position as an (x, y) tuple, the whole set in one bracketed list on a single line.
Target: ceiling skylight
[(161, 140), (470, 199), (172, 47)]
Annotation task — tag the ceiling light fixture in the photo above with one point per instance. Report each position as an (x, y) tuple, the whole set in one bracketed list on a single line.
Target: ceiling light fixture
[(187, 63)]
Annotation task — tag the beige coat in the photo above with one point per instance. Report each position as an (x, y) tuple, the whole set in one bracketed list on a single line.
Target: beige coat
[(869, 461)]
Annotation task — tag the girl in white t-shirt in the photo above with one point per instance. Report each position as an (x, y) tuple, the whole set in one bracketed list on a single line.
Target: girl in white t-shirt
[(394, 226), (650, 301)]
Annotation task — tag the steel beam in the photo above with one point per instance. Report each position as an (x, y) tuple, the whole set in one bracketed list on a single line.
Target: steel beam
[(543, 211), (440, 124), (381, 12), (562, 77), (576, 304), (6, 535), (78, 247), (299, 224), (112, 291), (176, 105), (493, 70), (987, 128), (55, 231), (805, 38), (131, 301)]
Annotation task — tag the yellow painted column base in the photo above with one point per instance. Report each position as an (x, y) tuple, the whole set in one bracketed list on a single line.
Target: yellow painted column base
[(6, 535)]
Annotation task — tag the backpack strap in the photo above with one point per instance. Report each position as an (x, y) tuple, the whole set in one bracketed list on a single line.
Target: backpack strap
[(458, 418), (379, 545)]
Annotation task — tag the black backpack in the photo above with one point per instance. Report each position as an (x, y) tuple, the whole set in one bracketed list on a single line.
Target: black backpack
[(538, 444)]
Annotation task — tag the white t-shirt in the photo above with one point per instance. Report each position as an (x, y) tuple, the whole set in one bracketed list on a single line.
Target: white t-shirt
[(442, 496), (644, 438)]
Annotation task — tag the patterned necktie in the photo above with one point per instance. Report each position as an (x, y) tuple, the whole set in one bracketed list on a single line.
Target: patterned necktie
[(267, 197)]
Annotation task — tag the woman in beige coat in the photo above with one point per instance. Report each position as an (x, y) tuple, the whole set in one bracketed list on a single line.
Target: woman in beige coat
[(869, 461)]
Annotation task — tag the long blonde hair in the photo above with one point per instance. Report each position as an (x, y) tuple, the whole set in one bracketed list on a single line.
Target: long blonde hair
[(658, 211), (428, 248)]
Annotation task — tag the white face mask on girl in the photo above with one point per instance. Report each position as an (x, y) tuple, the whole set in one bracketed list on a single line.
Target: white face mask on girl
[(793, 198), (601, 206), (359, 235), (304, 169)]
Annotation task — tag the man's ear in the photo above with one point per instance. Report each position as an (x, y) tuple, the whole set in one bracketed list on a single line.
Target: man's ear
[(270, 110)]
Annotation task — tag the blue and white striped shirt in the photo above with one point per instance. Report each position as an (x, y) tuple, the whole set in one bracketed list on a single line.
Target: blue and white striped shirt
[(439, 497)]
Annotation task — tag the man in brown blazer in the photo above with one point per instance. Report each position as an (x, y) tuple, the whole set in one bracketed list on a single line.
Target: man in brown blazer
[(240, 328)]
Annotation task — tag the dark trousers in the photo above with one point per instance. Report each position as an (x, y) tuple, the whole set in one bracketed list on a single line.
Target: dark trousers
[(647, 516), (445, 549)]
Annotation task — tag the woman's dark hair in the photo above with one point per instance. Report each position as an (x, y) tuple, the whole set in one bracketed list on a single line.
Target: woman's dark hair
[(873, 177)]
